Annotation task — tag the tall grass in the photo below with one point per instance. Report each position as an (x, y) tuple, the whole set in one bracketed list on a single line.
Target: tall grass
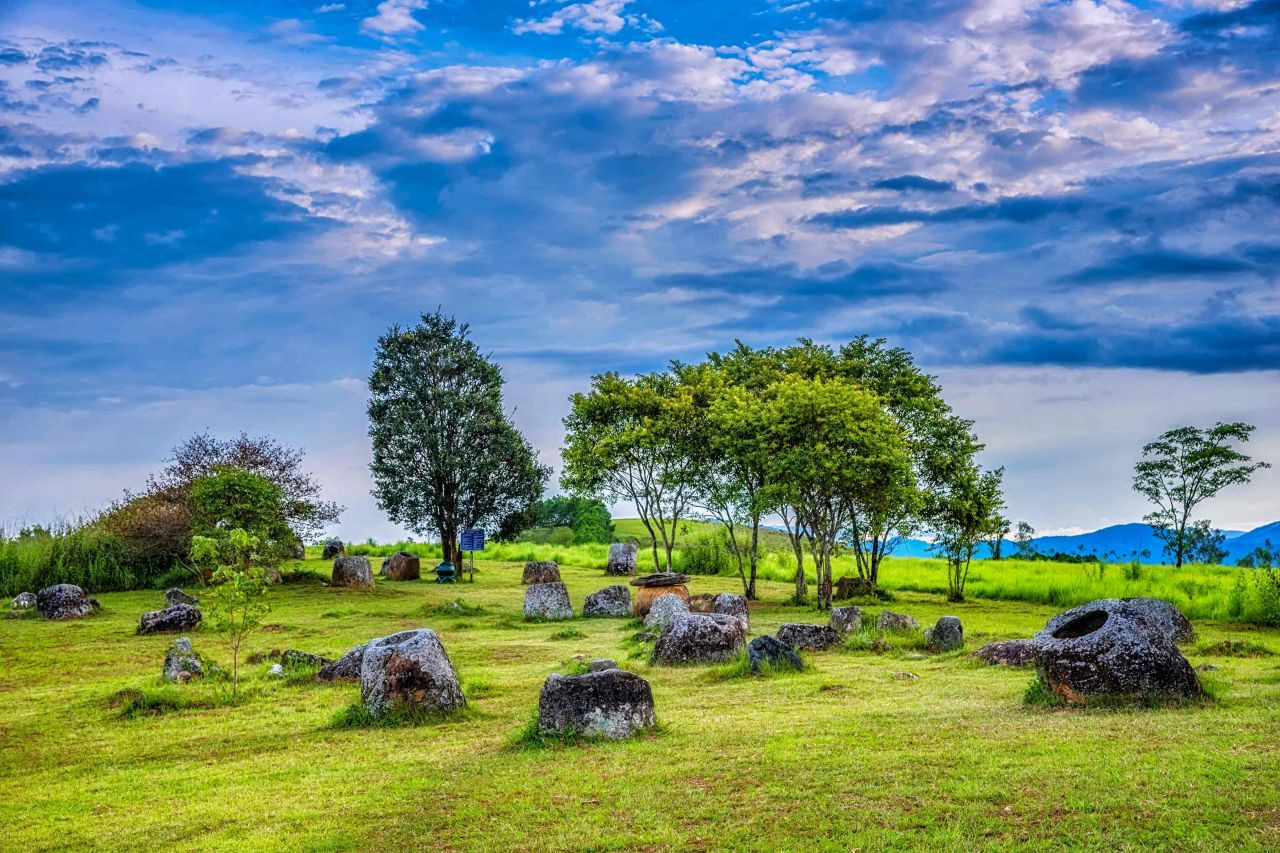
[(81, 553)]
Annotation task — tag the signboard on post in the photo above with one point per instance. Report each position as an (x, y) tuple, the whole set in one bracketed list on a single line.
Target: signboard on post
[(472, 540)]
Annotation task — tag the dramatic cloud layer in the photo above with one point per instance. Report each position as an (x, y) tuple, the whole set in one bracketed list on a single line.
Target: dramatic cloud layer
[(212, 203)]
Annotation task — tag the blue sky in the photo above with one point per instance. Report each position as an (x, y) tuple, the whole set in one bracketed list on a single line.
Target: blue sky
[(209, 210)]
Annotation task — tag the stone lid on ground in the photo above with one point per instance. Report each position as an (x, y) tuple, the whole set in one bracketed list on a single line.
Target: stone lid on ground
[(660, 579)]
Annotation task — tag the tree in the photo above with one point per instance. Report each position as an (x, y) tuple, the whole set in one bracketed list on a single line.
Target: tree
[(1204, 544), (233, 498), (968, 513), (587, 519), (634, 440), (1185, 467), (203, 455), (831, 447), (445, 455), (732, 468), (995, 538), (1023, 537), (234, 606)]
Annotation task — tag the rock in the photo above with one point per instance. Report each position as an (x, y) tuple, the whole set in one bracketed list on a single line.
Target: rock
[(773, 653), (851, 587), (23, 601), (699, 638), (276, 671), (1206, 667), (298, 552), (664, 609), (622, 559), (1007, 653), (1170, 619), (809, 637), (345, 668), (541, 571), (846, 620), (904, 676), (1112, 650), (180, 660), (890, 621), (611, 601), (333, 548), (354, 572), (945, 636), (409, 671), (646, 596), (704, 602), (63, 601), (547, 602), (402, 566), (293, 659), (612, 703), (272, 575), (179, 617), (660, 579), (601, 664), (732, 604), (174, 596)]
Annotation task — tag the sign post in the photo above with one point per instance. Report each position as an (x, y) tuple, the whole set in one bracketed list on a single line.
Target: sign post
[(472, 541)]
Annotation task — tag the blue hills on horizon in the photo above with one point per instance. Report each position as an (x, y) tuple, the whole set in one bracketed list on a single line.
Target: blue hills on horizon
[(1117, 542)]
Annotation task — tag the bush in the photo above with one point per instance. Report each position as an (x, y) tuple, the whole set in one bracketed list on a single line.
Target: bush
[(707, 555), (83, 553)]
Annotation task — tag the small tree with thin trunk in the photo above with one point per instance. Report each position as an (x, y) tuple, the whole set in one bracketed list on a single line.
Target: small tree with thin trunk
[(1022, 538), (964, 516), (1185, 467), (235, 605)]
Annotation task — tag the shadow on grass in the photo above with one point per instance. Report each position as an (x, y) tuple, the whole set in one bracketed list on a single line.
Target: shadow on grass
[(357, 716), (530, 738), (1040, 695)]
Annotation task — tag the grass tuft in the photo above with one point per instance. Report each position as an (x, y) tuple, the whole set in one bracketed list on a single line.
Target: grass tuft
[(568, 634), (357, 716), (1237, 649)]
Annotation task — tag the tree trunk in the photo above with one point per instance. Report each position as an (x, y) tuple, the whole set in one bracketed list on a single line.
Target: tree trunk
[(449, 545)]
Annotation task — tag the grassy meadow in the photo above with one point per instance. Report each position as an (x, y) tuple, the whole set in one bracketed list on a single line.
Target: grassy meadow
[(848, 754)]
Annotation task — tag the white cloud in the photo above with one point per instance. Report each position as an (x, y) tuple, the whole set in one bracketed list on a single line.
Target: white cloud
[(596, 16), (394, 18)]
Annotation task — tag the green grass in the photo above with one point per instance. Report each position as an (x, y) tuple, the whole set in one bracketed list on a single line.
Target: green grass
[(840, 755)]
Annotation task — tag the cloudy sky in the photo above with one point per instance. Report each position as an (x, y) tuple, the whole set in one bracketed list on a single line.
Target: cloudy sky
[(209, 210)]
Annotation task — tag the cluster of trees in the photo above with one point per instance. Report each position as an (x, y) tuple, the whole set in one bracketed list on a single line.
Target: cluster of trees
[(211, 486), (571, 521), (851, 447)]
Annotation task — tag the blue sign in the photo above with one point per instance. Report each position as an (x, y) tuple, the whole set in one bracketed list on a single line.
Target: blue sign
[(473, 539)]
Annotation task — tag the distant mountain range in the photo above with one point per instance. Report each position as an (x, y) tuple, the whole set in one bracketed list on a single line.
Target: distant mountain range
[(1118, 542)]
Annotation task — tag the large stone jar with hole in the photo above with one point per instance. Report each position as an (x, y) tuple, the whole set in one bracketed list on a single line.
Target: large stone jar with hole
[(1111, 650)]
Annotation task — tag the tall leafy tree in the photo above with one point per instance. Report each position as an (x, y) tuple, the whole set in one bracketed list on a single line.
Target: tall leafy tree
[(1185, 467), (831, 447), (636, 440), (445, 455)]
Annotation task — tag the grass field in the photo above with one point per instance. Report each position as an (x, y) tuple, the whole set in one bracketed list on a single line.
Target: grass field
[(841, 756)]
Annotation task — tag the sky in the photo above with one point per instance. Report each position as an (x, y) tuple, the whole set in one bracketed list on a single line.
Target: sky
[(209, 210)]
